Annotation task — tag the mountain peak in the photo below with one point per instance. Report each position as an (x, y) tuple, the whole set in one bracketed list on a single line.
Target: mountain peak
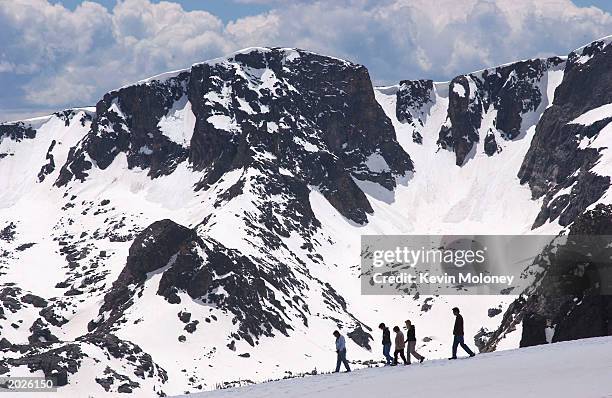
[(238, 57)]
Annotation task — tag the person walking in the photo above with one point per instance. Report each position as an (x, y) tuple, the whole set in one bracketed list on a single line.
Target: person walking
[(411, 343), (400, 344), (386, 343), (341, 351), (458, 335)]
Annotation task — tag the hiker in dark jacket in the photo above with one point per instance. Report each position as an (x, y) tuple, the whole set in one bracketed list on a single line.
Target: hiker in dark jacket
[(399, 346), (386, 342), (341, 351), (458, 335), (411, 343)]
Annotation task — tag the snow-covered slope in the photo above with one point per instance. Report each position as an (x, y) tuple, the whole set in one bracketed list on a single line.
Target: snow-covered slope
[(202, 227), (562, 370)]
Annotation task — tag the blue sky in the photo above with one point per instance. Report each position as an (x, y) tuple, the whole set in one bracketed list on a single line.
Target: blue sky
[(56, 54), (603, 4)]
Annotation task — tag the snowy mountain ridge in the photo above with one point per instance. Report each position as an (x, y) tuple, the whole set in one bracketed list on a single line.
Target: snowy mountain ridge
[(222, 207)]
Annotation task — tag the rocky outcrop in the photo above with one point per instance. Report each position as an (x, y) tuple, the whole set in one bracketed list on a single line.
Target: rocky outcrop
[(556, 161), (245, 109), (246, 289), (17, 131), (411, 98), (361, 336), (60, 361), (460, 132), (516, 89), (206, 271), (511, 90), (49, 167), (127, 121), (339, 128), (574, 290), (490, 144), (153, 249)]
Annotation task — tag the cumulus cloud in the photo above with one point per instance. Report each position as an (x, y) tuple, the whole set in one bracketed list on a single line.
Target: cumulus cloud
[(51, 56)]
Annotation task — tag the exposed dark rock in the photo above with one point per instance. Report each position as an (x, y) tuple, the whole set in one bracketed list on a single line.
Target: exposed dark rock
[(481, 339), (512, 90), (24, 247), (50, 165), (464, 118), (208, 272), (143, 364), (185, 317), (315, 126), (360, 337), (7, 233), (417, 137), (490, 145), (245, 286), (127, 121), (68, 114), (573, 293), (9, 296), (5, 344), (554, 160), (125, 388), (427, 304), (49, 314), (492, 312), (412, 95), (36, 301), (112, 378), (55, 363), (339, 116), (17, 131), (60, 361), (152, 249), (41, 333), (191, 326), (73, 292)]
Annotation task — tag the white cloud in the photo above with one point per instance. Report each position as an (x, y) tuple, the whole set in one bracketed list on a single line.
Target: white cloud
[(59, 57)]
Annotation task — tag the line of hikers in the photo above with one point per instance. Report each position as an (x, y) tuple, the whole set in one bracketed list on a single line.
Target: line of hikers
[(401, 343)]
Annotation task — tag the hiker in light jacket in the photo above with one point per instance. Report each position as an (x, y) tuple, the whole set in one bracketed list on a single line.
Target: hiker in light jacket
[(411, 342), (399, 346), (341, 351)]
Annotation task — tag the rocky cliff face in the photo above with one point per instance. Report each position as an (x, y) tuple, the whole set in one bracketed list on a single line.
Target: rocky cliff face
[(256, 106), (559, 163), (566, 166), (510, 92), (572, 292)]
